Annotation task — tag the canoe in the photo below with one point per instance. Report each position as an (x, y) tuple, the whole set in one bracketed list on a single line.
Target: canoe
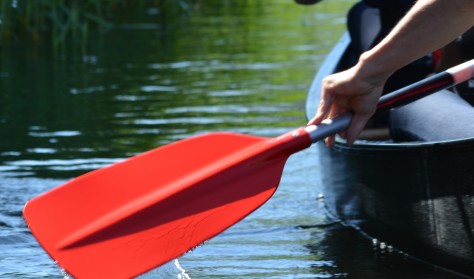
[(416, 196)]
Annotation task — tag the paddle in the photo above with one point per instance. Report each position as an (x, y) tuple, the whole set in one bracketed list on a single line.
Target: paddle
[(125, 219)]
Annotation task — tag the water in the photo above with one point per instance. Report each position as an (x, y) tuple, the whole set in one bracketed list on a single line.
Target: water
[(241, 66)]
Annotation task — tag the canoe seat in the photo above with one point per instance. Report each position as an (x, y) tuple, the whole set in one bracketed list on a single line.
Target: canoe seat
[(439, 117)]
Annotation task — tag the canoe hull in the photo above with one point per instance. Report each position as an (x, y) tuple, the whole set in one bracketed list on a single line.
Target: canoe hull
[(411, 197), (416, 196)]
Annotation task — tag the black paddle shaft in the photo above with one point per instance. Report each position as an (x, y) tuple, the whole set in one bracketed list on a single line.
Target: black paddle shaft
[(415, 91)]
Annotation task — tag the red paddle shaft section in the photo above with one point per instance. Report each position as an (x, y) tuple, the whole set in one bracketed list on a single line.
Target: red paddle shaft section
[(126, 219)]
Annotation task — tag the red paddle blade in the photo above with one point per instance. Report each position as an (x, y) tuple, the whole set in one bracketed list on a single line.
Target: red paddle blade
[(125, 219)]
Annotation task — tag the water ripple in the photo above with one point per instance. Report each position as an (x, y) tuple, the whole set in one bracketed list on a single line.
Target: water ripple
[(55, 134), (59, 164), (158, 88)]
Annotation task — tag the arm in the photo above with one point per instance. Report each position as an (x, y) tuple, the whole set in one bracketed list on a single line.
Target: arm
[(429, 25)]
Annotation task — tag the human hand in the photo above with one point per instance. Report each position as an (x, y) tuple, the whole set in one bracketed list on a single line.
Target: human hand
[(351, 90)]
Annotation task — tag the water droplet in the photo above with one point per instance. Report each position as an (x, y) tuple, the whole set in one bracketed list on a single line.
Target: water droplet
[(390, 248)]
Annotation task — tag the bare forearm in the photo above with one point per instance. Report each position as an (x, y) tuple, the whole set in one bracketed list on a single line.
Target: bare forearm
[(430, 25)]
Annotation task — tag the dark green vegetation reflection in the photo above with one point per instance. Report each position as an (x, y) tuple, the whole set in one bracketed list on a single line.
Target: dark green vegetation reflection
[(158, 73)]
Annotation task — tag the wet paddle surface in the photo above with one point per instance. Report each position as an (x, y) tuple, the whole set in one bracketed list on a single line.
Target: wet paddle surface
[(241, 67)]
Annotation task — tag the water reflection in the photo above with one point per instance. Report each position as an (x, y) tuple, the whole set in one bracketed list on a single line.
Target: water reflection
[(360, 257), (241, 66)]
